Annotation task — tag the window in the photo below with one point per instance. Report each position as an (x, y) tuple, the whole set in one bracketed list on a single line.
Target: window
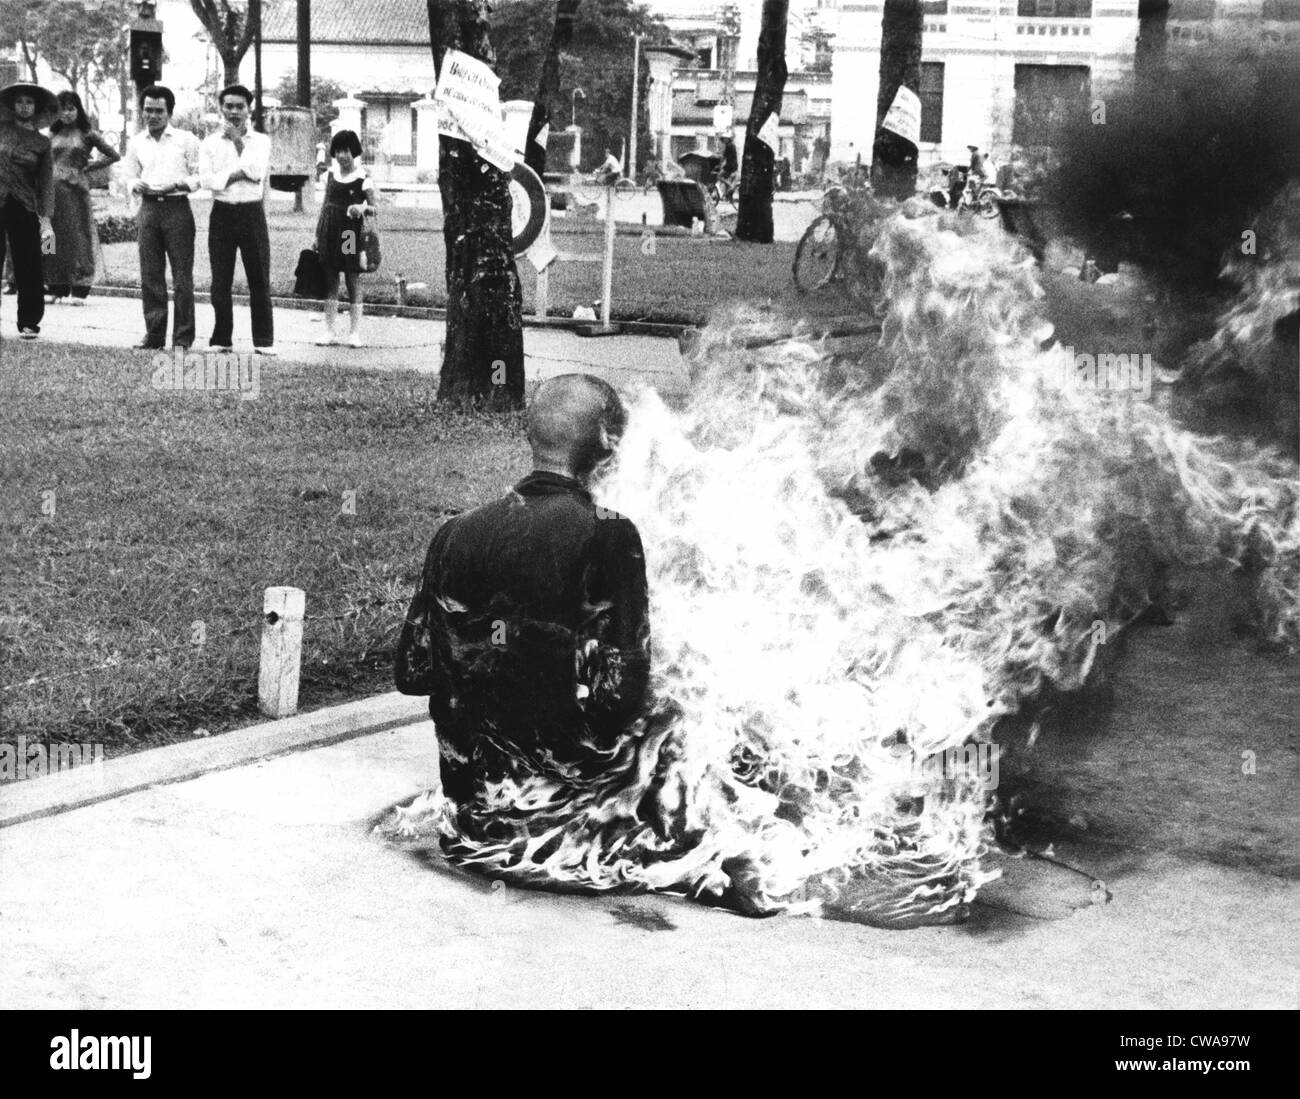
[(932, 101), (1192, 9), (1282, 11), (1054, 9), (1048, 96)]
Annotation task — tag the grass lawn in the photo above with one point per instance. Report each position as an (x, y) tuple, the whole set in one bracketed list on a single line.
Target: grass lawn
[(682, 282), (176, 508)]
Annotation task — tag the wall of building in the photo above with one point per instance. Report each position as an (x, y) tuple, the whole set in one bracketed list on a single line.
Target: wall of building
[(381, 68), (979, 43)]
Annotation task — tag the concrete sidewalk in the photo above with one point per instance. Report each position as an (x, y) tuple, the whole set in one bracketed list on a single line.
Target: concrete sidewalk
[(392, 343), (264, 886)]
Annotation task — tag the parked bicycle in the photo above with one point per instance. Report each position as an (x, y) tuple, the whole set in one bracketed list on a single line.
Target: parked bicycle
[(967, 188), (832, 249)]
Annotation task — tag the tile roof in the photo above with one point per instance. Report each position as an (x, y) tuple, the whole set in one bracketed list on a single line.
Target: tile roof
[(350, 21)]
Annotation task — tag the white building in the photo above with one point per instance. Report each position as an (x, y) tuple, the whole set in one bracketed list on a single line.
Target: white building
[(995, 73)]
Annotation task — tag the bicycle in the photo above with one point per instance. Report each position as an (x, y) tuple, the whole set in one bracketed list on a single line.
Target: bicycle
[(724, 190), (831, 249)]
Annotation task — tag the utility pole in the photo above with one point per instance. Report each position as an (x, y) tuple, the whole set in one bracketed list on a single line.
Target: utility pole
[(629, 169), (255, 11), (304, 53), (728, 45)]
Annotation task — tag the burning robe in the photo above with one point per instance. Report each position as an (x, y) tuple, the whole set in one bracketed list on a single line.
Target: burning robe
[(559, 769), (530, 634)]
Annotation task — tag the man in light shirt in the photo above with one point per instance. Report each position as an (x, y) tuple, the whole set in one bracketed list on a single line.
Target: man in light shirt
[(233, 164), (162, 170)]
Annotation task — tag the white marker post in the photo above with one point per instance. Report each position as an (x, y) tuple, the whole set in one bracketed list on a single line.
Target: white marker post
[(607, 275), (277, 682)]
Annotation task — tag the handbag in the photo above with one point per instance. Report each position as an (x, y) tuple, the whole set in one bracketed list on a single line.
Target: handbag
[(309, 276), (370, 255)]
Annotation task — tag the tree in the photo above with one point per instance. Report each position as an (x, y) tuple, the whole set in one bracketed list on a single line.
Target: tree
[(229, 28), (323, 94), (598, 59), (85, 43), (483, 360), (893, 157), (548, 86), (754, 220), (19, 22), (82, 41)]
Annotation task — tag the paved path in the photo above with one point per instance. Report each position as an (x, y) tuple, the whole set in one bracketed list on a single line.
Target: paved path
[(393, 343), (263, 886)]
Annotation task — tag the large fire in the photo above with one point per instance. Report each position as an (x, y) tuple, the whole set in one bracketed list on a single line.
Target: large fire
[(860, 562)]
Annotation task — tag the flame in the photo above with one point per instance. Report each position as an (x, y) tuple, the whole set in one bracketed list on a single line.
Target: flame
[(822, 622)]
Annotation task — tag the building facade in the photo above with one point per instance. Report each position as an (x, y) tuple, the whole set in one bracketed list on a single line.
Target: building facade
[(995, 73)]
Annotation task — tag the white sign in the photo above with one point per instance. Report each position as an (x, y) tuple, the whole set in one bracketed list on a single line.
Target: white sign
[(767, 133), (904, 115), (470, 109), (723, 115)]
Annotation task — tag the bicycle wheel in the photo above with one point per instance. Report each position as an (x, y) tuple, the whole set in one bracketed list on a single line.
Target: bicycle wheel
[(987, 204), (817, 258)]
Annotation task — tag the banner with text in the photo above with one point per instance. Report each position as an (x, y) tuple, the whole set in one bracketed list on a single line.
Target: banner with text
[(904, 116), (469, 108)]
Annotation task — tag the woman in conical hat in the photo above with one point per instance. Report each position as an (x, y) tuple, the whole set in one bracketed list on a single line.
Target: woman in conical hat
[(47, 103), (27, 184)]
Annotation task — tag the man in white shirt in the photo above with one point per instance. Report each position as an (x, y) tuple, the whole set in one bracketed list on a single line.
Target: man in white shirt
[(161, 168), (233, 164)]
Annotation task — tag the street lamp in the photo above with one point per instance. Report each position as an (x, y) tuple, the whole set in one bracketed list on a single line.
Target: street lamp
[(145, 46)]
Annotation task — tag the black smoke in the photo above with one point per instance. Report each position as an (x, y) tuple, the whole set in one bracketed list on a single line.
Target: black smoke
[(1182, 163)]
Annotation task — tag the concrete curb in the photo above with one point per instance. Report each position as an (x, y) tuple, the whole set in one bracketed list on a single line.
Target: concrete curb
[(416, 312), (31, 799)]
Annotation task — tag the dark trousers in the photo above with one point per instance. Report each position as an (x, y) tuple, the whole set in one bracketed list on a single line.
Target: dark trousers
[(242, 226), (167, 236), (23, 230)]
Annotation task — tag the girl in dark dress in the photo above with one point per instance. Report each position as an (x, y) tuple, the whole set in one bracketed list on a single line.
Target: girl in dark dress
[(72, 141), (349, 196)]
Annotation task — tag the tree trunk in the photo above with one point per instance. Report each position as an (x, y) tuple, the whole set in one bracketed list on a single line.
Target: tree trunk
[(30, 56), (548, 86), (1149, 58), (893, 158), (754, 222), (230, 30), (483, 362)]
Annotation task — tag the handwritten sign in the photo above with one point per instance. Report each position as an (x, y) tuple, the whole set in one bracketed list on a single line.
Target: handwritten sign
[(904, 115), (469, 108)]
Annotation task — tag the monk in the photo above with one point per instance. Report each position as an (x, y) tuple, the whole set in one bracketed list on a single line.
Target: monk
[(529, 629)]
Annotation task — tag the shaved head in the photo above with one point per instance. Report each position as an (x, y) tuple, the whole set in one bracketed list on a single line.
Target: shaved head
[(574, 423)]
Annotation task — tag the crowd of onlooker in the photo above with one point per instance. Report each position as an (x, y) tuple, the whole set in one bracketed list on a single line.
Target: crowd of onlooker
[(49, 244)]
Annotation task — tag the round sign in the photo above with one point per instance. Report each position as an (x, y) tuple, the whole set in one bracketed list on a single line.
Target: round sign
[(528, 205)]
